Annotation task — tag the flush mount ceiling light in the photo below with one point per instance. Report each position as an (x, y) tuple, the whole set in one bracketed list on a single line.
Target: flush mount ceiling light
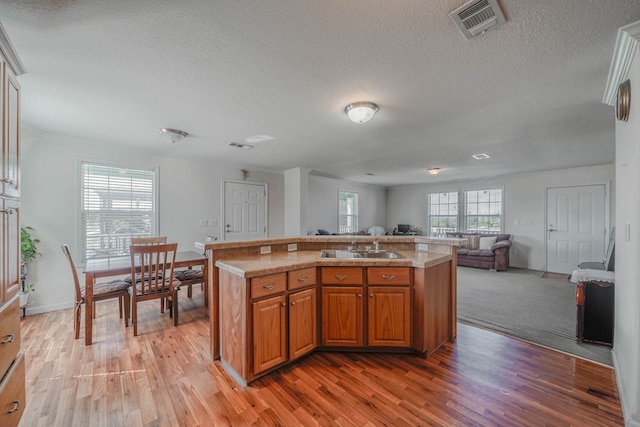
[(480, 156), (173, 135), (434, 171), (361, 112)]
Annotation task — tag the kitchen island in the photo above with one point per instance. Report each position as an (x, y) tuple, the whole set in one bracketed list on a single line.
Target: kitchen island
[(269, 309)]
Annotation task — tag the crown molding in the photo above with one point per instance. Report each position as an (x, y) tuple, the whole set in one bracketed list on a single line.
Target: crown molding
[(626, 46), (10, 54)]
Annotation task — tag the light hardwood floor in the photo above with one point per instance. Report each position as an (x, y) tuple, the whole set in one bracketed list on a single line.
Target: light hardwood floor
[(165, 377)]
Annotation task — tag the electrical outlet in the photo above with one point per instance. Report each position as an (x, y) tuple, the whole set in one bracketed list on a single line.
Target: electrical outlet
[(265, 250), (423, 247), (204, 223), (213, 223), (514, 251), (292, 247)]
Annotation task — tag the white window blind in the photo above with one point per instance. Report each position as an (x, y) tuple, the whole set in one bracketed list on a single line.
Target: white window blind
[(117, 204)]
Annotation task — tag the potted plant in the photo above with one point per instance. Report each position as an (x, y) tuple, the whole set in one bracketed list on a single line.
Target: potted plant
[(29, 252)]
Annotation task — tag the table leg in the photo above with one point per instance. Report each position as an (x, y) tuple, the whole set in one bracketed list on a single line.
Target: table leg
[(88, 309)]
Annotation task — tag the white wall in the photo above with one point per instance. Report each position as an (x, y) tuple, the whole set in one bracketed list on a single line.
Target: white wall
[(524, 201), (626, 350), (323, 204), (190, 191)]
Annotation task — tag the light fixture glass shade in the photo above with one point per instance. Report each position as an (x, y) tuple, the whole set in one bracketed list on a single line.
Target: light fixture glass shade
[(173, 135), (434, 171), (361, 112)]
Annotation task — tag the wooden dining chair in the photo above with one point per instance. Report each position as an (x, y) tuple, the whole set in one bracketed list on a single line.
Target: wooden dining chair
[(155, 278), (149, 240), (101, 291)]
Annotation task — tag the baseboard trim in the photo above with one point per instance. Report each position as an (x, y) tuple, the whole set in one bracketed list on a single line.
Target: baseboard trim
[(629, 419), (47, 308)]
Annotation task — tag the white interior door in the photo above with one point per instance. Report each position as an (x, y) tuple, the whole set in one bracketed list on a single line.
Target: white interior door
[(575, 226), (245, 210)]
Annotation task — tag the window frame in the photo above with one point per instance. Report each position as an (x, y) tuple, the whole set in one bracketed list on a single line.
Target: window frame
[(463, 217), (353, 216), (442, 230), (122, 239)]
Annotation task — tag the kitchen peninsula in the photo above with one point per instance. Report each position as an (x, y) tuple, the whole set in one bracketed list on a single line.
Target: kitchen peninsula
[(274, 300)]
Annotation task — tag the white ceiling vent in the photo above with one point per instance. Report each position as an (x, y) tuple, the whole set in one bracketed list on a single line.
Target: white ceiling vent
[(477, 16)]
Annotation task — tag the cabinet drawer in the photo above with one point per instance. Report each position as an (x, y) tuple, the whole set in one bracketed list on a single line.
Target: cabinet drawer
[(12, 395), (388, 275), (301, 278), (9, 334), (342, 276), (268, 285)]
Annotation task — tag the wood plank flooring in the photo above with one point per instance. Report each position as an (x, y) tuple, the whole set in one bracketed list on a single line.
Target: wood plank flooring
[(165, 377)]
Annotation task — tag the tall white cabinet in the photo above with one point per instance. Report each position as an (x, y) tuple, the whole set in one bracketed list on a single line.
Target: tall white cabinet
[(12, 373)]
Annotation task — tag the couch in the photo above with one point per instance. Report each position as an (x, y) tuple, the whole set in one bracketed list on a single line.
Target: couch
[(481, 250)]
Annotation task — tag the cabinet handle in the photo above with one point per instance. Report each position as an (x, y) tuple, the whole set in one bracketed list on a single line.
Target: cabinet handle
[(389, 276), (284, 304), (371, 295), (8, 211), (7, 340), (269, 287), (7, 181), (293, 303), (16, 406), (303, 279), (359, 295), (339, 277)]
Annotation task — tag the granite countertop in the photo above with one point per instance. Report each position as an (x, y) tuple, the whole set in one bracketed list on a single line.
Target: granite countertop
[(260, 265)]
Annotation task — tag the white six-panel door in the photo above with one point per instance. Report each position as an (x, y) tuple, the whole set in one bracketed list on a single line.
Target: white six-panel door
[(244, 211), (575, 226)]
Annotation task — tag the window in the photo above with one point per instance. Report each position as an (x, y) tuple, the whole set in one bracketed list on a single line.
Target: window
[(478, 210), (117, 204), (443, 213), (483, 210), (347, 212)]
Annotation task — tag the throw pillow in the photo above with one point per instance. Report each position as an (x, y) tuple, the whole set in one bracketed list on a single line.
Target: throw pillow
[(473, 240), (486, 243), (323, 232)]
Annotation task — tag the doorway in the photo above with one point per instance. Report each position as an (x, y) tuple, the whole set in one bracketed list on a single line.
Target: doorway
[(245, 210), (575, 230)]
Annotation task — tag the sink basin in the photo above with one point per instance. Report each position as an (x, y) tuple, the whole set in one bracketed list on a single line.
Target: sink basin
[(360, 254)]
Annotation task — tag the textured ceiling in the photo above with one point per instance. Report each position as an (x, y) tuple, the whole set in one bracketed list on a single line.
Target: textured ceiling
[(527, 93)]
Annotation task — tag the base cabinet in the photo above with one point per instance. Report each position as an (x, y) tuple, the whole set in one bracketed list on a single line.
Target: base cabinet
[(269, 333), (303, 330), (389, 316), (342, 316)]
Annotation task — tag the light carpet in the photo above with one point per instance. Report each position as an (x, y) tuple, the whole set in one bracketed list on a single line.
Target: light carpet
[(521, 304)]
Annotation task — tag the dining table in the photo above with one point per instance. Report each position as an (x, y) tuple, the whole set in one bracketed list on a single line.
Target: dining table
[(121, 265)]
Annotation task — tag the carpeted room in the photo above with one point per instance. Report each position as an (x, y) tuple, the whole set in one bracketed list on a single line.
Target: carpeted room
[(523, 304)]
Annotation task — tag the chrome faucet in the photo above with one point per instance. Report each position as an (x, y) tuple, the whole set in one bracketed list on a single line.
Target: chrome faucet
[(376, 246)]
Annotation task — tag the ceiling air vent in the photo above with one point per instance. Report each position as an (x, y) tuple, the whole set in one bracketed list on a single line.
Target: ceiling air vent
[(477, 16)]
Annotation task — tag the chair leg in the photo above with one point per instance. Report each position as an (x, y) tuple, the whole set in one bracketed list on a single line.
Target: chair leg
[(189, 292), (93, 311), (76, 319), (134, 316), (126, 301), (175, 307), (120, 305)]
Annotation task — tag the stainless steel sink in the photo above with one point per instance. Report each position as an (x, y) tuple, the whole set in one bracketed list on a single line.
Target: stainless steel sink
[(330, 253)]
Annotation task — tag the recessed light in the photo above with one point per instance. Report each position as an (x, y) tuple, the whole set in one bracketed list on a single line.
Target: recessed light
[(480, 156), (239, 145), (434, 171)]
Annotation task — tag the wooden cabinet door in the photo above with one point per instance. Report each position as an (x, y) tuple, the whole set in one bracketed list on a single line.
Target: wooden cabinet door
[(10, 139), (10, 271), (342, 316), (302, 323), (269, 333), (389, 316)]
